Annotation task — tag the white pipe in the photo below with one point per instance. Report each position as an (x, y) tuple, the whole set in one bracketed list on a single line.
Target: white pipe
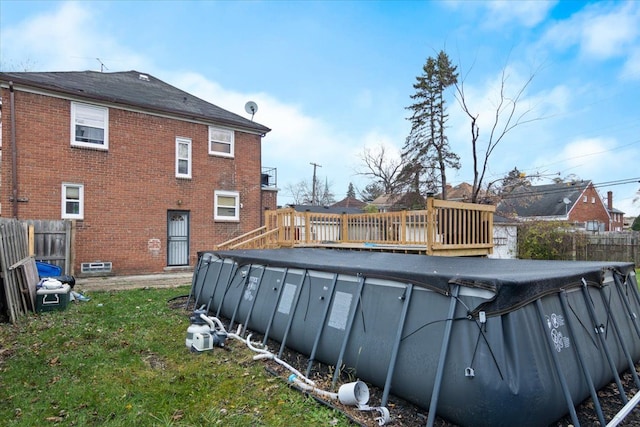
[(296, 377), (268, 355), (211, 320), (307, 387), (620, 416)]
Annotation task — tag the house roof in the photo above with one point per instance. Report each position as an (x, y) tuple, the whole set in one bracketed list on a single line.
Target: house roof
[(326, 209), (461, 192), (349, 202), (399, 201), (543, 200), (132, 88)]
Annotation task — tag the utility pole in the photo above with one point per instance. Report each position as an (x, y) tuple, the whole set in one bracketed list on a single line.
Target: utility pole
[(313, 189)]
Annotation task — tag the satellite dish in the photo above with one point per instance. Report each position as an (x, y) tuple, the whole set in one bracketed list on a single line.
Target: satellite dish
[(251, 108), (566, 201)]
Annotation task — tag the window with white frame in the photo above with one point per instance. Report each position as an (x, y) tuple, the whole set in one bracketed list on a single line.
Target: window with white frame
[(221, 142), (183, 158), (226, 206), (89, 126), (72, 201)]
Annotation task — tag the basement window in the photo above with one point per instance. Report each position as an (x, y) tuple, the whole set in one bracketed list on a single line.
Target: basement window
[(89, 126), (96, 267)]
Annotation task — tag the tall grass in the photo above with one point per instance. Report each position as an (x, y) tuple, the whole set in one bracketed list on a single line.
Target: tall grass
[(120, 360)]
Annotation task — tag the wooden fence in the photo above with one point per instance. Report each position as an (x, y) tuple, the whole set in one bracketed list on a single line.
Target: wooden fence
[(612, 246), (51, 241), (19, 272)]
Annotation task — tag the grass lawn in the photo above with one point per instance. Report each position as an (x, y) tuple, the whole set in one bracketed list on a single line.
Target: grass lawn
[(120, 360)]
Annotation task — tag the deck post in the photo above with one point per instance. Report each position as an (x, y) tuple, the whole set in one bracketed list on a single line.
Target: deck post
[(307, 228), (316, 342), (406, 297), (344, 227), (431, 224), (556, 364), (444, 348), (583, 366)]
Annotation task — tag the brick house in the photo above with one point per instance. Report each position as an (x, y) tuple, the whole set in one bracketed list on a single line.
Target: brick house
[(149, 174), (576, 202)]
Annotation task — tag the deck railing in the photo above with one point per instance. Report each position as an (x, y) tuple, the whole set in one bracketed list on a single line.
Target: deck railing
[(443, 228)]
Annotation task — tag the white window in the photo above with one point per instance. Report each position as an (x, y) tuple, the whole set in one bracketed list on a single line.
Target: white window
[(183, 158), (593, 200), (89, 126), (221, 142), (72, 201), (226, 206), (584, 199)]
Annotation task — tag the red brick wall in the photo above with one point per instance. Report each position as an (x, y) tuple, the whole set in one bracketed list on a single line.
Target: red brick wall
[(129, 188), (590, 211)]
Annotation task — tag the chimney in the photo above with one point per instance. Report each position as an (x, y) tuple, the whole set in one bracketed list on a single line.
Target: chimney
[(610, 200)]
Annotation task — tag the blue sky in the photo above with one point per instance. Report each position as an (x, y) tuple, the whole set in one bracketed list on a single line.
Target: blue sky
[(333, 78)]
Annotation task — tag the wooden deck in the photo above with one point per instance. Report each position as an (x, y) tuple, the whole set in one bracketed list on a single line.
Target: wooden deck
[(443, 228)]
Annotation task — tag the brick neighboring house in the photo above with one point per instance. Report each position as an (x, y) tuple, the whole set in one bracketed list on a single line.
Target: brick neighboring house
[(149, 173), (575, 202)]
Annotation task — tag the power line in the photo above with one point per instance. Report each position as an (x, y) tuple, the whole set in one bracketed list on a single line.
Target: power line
[(523, 194)]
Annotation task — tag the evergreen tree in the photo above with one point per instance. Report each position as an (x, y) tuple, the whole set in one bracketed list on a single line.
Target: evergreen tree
[(371, 192), (427, 149), (636, 224), (351, 192)]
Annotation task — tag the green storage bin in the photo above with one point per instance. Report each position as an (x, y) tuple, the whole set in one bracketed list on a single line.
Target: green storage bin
[(52, 299)]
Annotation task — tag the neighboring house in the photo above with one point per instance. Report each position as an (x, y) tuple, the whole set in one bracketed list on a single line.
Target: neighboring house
[(577, 203), (149, 173), (349, 202), (616, 216), (399, 202), (628, 222), (460, 193)]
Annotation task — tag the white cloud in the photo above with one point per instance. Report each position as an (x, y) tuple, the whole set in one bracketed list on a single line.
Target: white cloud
[(588, 156), (65, 39), (600, 31), (296, 139), (525, 13), (500, 13), (631, 69)]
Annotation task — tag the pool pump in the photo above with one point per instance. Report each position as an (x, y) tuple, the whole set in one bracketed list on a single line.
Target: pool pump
[(203, 333)]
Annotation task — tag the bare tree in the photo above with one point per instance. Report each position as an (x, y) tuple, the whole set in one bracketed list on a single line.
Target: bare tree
[(506, 117), (381, 169), (303, 193)]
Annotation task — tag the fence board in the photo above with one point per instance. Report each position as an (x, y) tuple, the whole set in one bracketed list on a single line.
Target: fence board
[(52, 242), (18, 277)]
